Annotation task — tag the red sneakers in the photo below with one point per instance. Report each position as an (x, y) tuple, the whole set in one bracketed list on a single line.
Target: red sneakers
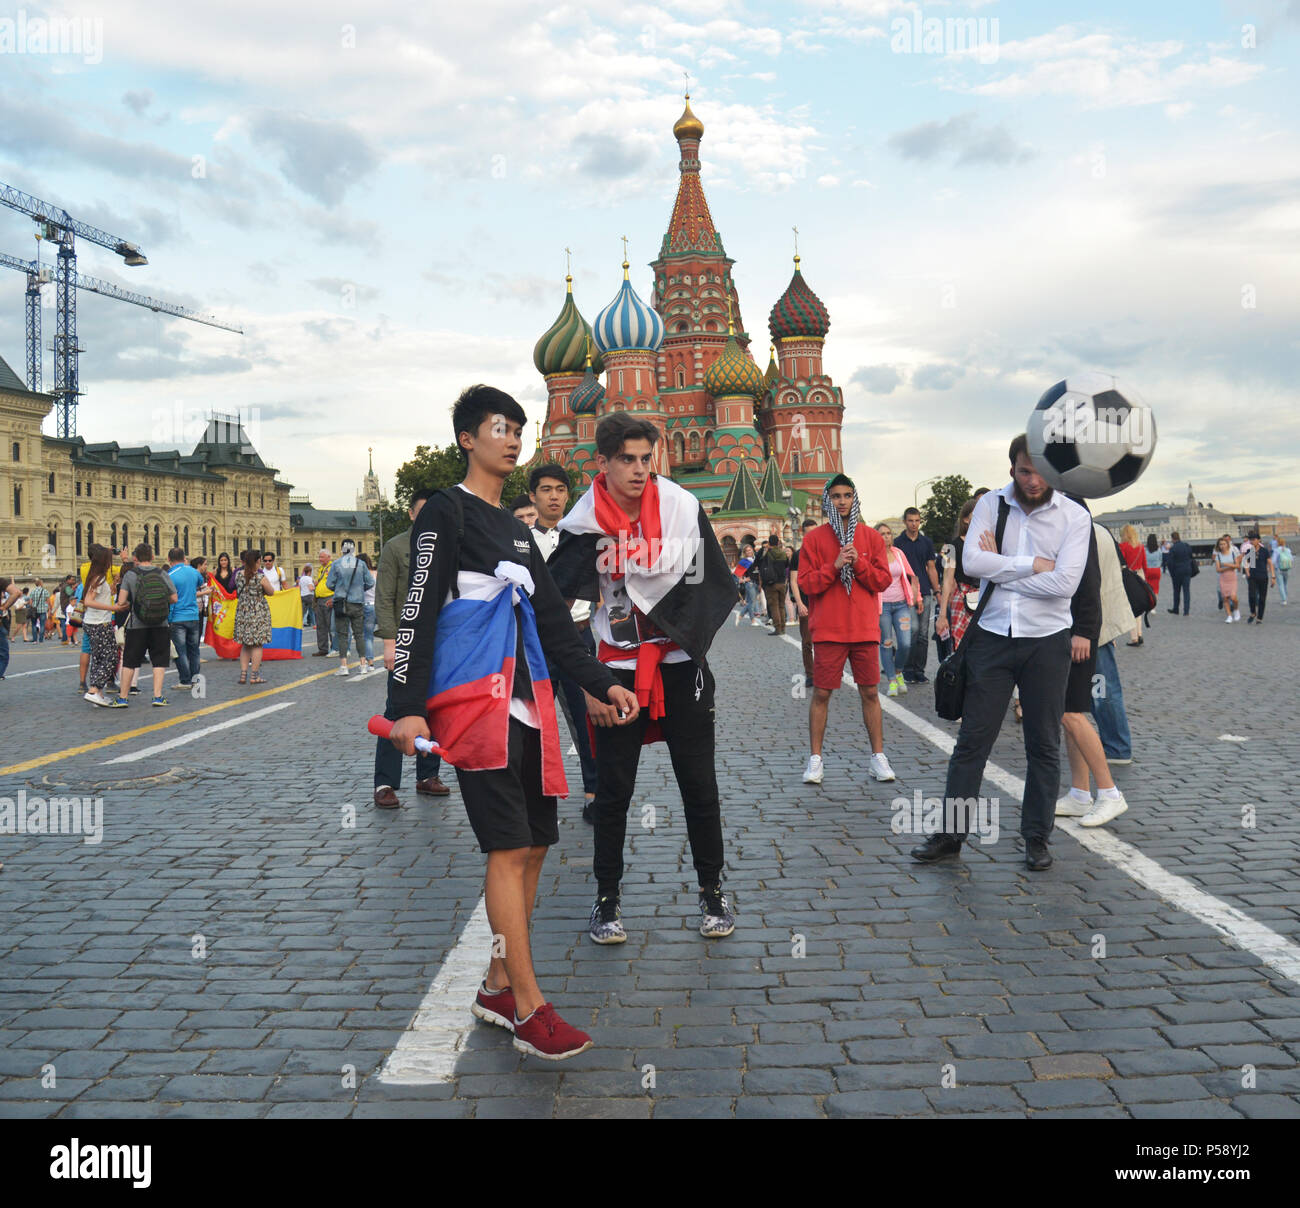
[(544, 1034), (495, 1006)]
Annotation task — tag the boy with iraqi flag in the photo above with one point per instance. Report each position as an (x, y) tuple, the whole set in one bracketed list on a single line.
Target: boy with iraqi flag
[(643, 547), (482, 615)]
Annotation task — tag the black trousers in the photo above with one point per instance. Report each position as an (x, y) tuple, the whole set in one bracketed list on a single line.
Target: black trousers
[(688, 731), (1257, 594), (1183, 587), (995, 664)]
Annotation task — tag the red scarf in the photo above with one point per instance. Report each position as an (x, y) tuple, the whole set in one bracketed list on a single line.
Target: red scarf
[(636, 549)]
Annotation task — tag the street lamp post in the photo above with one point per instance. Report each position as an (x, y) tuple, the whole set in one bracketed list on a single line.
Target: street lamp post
[(925, 482)]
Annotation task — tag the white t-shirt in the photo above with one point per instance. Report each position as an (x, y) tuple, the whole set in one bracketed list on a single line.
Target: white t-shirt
[(272, 574), (306, 585), (103, 594)]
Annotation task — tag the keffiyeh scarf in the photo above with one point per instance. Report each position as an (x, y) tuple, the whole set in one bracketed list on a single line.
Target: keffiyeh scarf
[(843, 528)]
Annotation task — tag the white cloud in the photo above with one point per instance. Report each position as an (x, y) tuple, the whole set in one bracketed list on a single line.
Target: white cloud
[(828, 181)]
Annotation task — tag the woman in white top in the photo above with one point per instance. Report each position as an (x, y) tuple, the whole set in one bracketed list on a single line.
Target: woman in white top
[(368, 622)]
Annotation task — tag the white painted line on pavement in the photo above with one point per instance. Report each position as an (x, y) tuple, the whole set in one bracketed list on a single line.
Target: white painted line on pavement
[(358, 677), (1274, 950), (135, 756), (41, 671), (428, 1050)]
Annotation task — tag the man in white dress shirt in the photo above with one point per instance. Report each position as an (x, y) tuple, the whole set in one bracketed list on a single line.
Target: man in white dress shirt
[(1022, 640), (548, 489)]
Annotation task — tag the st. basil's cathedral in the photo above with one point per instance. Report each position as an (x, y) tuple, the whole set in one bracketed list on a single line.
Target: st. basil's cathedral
[(755, 448)]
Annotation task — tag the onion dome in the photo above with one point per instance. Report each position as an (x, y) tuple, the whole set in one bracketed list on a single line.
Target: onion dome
[(798, 311), (627, 323), (589, 393), (563, 345), (773, 371), (733, 373), (688, 125)]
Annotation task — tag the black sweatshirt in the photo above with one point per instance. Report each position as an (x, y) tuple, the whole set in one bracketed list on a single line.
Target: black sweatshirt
[(492, 535), (1085, 605)]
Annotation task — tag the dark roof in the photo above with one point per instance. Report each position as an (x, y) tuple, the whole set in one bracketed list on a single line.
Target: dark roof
[(773, 487), (9, 380), (225, 442)]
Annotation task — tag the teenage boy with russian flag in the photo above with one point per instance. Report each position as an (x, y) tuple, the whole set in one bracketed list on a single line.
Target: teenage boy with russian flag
[(643, 547), (482, 617)]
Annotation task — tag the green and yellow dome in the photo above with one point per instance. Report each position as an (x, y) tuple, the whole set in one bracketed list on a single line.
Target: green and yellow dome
[(563, 346), (733, 373)]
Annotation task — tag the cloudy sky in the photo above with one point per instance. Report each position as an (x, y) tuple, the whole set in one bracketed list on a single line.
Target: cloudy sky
[(382, 197)]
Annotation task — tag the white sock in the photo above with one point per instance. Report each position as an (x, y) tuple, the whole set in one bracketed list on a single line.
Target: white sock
[(1081, 795), (1109, 793)]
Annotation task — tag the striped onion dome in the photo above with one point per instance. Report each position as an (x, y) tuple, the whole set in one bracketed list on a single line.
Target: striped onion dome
[(563, 346), (628, 323), (587, 395), (798, 311), (733, 373)]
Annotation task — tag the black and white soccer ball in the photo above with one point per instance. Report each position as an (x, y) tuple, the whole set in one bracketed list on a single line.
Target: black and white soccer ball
[(1090, 436)]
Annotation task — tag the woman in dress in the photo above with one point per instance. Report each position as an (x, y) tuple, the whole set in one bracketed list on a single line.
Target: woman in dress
[(226, 574), (1135, 558), (252, 615), (1228, 564), (1155, 560), (897, 604)]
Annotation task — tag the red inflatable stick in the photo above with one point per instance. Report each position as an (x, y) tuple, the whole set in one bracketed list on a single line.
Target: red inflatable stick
[(381, 727)]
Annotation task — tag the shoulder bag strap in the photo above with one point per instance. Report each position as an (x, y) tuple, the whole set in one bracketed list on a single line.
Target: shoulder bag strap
[(1004, 510)]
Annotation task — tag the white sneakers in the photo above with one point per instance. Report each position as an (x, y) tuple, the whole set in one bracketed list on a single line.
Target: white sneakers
[(1070, 806), (1106, 810), (1236, 614), (878, 767), (756, 621), (343, 669), (1227, 620)]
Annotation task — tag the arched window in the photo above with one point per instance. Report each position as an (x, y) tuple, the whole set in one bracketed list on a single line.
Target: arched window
[(77, 537), (681, 377), (681, 327), (730, 550), (113, 539), (18, 499), (185, 538), (157, 545), (125, 538), (620, 381), (796, 461), (204, 531), (52, 540), (176, 535), (679, 447), (18, 451), (695, 444), (51, 482)]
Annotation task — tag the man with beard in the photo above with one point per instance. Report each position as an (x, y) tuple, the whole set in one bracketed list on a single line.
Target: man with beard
[(1022, 641)]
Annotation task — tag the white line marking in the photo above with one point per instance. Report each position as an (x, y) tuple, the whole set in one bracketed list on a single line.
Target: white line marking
[(1233, 738), (42, 671), (1274, 950), (429, 1048), (135, 756), (360, 678)]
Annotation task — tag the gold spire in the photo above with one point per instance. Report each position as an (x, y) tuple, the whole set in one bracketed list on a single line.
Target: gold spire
[(731, 326), (588, 354), (625, 263), (796, 248), (371, 450)]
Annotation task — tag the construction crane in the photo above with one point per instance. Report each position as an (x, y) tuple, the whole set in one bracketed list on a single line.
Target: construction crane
[(39, 275), (59, 227)]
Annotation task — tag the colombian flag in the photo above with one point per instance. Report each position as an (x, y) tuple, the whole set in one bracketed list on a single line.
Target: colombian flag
[(286, 624), (473, 680)]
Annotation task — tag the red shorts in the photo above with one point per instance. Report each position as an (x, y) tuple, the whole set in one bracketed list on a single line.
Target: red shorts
[(829, 658)]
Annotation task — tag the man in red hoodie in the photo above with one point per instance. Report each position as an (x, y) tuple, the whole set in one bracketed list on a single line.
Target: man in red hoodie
[(842, 571)]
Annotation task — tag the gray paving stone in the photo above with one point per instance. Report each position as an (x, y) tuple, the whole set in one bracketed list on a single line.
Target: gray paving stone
[(1065, 1092), (877, 1103)]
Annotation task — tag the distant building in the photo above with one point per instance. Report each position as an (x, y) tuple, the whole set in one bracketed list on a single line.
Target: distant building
[(316, 529), (64, 493), (1193, 521)]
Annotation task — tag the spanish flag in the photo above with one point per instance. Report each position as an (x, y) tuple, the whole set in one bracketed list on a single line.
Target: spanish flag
[(286, 624)]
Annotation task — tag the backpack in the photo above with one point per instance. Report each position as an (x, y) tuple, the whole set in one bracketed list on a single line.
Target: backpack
[(152, 599), (1284, 558)]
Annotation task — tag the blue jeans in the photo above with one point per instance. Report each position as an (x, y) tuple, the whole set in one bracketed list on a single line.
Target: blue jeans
[(368, 629), (1108, 708), (750, 607), (896, 620), (1281, 584), (185, 637), (4, 650)]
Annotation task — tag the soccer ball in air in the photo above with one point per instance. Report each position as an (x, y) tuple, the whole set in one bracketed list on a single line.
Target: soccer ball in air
[(1090, 436)]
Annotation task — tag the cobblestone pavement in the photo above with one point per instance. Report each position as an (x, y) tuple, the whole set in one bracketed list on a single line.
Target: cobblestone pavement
[(973, 988)]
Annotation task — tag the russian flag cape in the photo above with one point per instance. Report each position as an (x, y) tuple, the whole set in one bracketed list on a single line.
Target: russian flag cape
[(474, 673), (286, 623)]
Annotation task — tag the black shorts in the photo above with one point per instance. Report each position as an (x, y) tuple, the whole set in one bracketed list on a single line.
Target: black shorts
[(506, 807), (156, 639), (1078, 686)]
